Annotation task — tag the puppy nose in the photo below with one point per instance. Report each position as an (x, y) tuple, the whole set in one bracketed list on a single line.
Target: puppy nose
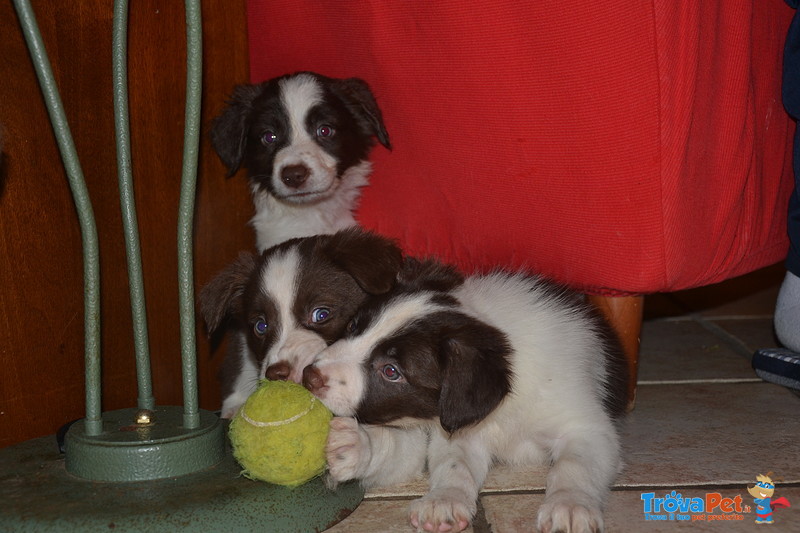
[(294, 176), (313, 379), (279, 371)]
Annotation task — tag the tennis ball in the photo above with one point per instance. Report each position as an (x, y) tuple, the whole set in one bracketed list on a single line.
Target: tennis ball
[(279, 434)]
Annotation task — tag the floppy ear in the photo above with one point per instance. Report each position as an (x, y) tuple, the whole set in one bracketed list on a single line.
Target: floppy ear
[(222, 296), (429, 275), (476, 373), (229, 130), (357, 96), (373, 261)]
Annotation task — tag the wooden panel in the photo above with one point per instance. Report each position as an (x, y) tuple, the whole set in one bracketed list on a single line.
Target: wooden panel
[(41, 273)]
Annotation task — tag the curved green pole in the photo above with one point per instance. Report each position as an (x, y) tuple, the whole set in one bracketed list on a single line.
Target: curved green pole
[(91, 255), (191, 143), (119, 56)]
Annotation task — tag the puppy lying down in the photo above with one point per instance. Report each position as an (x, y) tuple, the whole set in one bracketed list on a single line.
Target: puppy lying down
[(450, 374)]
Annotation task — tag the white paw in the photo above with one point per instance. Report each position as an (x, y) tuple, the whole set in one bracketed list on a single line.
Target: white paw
[(347, 450), (570, 512), (230, 411), (443, 510)]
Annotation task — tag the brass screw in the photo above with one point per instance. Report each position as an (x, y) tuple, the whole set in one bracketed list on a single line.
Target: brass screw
[(144, 417)]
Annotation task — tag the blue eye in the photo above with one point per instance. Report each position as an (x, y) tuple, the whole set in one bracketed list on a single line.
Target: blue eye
[(260, 327), (320, 314), (391, 373), (325, 131), (269, 137)]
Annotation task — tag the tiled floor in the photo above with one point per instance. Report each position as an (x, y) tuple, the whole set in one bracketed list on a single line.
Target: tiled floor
[(704, 425)]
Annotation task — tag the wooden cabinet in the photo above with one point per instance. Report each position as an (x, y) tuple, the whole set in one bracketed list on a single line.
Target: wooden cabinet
[(41, 272)]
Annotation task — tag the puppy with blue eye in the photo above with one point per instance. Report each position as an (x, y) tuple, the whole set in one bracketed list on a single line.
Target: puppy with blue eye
[(286, 305), (304, 139)]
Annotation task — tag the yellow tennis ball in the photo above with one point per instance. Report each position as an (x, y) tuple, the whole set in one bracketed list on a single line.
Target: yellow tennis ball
[(279, 434)]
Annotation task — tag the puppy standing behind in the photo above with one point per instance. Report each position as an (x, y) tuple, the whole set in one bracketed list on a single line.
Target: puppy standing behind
[(289, 303), (497, 367), (304, 139)]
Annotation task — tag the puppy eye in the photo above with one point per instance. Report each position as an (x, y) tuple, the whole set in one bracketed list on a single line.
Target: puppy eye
[(391, 373), (269, 137), (325, 131), (260, 327), (320, 314), (351, 327)]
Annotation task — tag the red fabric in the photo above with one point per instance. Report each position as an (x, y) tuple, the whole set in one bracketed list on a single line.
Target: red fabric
[(618, 146)]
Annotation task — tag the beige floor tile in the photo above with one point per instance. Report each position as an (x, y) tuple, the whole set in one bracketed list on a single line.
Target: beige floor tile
[(516, 513), (412, 489), (503, 478), (512, 513), (710, 434), (752, 334), (377, 516), (685, 350)]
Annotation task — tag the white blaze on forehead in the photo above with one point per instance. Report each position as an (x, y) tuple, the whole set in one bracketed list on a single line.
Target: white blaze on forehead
[(392, 318), (399, 314), (278, 282), (299, 94)]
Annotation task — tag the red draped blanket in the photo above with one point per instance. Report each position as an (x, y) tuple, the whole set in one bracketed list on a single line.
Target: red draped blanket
[(619, 146)]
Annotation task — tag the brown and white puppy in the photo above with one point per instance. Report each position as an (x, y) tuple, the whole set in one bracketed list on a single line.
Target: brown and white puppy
[(458, 373), (292, 301), (304, 139)]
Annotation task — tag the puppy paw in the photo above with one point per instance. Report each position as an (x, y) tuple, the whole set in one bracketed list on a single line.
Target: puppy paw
[(570, 512), (444, 511), (347, 450)]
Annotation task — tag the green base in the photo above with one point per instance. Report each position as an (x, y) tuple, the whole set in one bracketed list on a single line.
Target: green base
[(38, 494), (131, 451)]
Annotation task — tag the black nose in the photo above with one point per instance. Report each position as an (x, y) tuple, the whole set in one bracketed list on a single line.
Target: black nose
[(279, 371), (313, 379), (294, 176)]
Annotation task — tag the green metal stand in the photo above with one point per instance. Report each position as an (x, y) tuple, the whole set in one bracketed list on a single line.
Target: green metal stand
[(140, 445), (39, 495), (151, 468)]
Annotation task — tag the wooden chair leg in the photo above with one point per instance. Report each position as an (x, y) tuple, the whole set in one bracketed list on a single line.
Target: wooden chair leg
[(624, 314)]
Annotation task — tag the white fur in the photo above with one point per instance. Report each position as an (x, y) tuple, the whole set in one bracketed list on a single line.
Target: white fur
[(295, 345), (299, 94), (276, 221), (554, 413), (246, 382), (341, 362)]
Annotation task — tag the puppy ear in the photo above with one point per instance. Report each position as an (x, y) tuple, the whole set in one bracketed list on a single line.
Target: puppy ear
[(357, 96), (476, 373), (373, 261), (229, 130), (429, 275), (222, 296)]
